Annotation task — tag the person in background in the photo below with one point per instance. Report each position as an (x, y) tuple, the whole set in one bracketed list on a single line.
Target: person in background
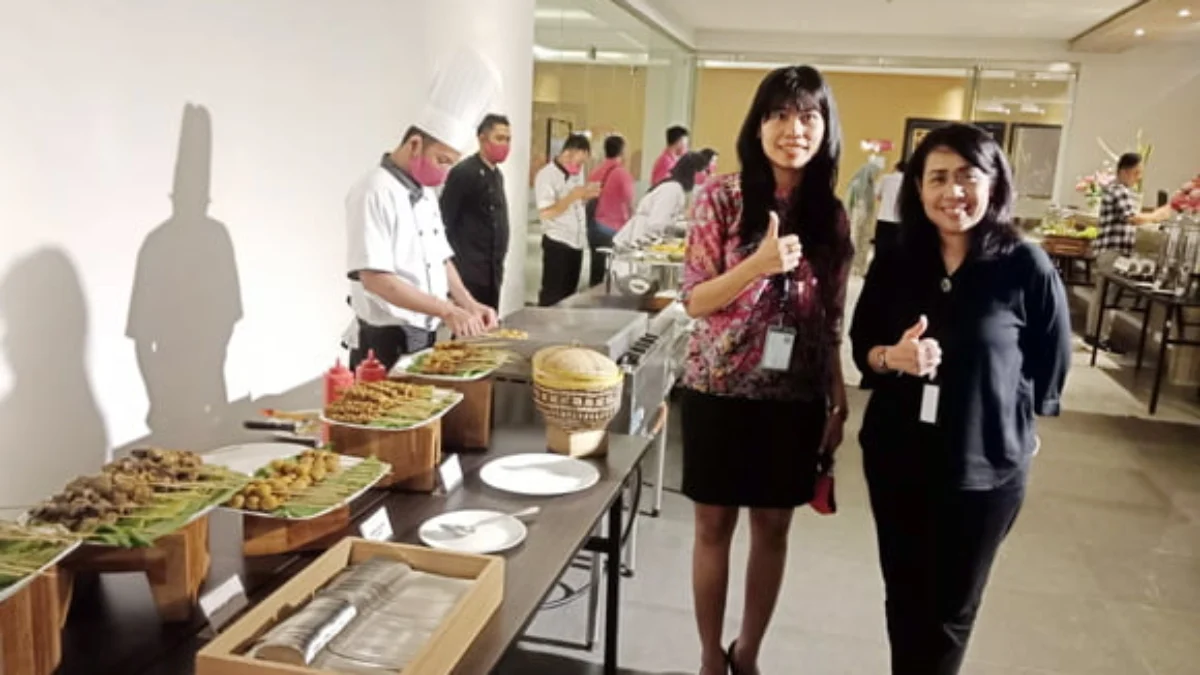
[(963, 334), (677, 145), (560, 195), (765, 275), (666, 203), (476, 212), (1120, 215), (887, 216), (710, 166), (612, 208), (403, 281)]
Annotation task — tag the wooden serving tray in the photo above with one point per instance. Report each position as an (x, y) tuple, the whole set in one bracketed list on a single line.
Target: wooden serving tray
[(176, 566)]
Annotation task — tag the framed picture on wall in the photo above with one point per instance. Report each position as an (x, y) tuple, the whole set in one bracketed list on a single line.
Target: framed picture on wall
[(557, 131), (915, 129), (998, 130), (1033, 149)]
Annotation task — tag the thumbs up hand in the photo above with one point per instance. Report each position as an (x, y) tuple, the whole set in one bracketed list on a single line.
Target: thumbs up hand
[(776, 254), (915, 354)]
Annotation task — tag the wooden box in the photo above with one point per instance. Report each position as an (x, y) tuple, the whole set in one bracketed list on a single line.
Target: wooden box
[(225, 655), (1067, 246), (31, 625), (469, 425), (414, 454)]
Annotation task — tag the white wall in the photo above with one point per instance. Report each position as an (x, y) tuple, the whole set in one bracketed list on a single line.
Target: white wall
[(1156, 89), (291, 100)]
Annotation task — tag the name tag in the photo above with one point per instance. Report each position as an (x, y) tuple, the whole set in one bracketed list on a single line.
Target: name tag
[(378, 527), (777, 351), (224, 602), (451, 473), (929, 403)]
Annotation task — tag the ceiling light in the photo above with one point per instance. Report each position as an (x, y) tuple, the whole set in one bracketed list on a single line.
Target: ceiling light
[(1185, 13), (565, 15), (1139, 32)]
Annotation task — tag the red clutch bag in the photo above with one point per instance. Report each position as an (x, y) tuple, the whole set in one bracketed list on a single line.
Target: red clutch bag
[(824, 501)]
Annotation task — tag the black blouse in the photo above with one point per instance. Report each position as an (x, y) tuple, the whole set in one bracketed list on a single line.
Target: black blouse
[(475, 211), (1005, 333)]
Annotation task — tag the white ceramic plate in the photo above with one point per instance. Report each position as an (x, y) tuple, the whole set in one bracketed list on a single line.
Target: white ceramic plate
[(16, 587), (450, 397), (250, 457), (539, 475), (500, 533), (401, 369)]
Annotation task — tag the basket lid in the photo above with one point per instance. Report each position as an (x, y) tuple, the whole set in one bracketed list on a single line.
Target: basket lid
[(578, 362)]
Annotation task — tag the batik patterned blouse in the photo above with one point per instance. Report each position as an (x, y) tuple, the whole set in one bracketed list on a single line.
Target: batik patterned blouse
[(727, 346)]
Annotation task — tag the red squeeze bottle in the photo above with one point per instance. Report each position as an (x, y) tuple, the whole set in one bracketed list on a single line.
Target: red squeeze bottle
[(337, 380), (371, 370)]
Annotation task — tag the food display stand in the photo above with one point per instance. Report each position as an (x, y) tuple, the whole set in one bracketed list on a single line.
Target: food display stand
[(31, 623), (176, 566)]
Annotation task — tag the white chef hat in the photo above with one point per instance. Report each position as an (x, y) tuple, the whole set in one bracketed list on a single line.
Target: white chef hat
[(461, 94)]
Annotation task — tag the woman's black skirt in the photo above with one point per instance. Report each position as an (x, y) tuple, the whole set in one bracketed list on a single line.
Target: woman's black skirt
[(746, 452)]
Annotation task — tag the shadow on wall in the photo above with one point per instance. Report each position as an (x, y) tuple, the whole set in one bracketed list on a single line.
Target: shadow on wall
[(51, 423), (186, 301)]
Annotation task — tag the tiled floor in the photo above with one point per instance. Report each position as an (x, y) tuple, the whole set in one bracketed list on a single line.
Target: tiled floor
[(1100, 576)]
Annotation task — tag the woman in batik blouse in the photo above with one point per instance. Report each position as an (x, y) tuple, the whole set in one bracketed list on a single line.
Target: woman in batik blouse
[(764, 402)]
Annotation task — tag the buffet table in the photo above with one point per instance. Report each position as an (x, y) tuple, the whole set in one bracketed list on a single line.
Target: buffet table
[(1144, 298), (115, 629)]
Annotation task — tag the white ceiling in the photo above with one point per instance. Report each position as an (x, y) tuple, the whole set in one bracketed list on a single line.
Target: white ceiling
[(1053, 19)]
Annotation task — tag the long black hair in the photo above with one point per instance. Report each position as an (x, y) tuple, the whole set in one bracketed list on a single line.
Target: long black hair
[(996, 234), (685, 170), (815, 213)]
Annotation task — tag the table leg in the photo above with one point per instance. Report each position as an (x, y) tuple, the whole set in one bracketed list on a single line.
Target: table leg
[(1142, 339), (612, 597), (1161, 366), (1102, 298), (661, 471)]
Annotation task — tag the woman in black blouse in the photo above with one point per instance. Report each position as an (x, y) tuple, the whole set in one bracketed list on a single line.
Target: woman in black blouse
[(963, 334)]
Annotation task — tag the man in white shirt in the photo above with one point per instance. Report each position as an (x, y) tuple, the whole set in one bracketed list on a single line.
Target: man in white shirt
[(560, 193), (887, 218), (403, 281)]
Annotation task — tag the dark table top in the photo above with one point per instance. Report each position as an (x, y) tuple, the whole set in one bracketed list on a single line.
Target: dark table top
[(1142, 289), (113, 628)]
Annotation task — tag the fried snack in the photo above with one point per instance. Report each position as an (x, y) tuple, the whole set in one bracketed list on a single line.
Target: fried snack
[(131, 486), (458, 358), (379, 402), (282, 479)]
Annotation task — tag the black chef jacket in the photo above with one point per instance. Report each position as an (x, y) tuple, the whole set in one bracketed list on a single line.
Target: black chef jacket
[(1004, 329), (476, 215)]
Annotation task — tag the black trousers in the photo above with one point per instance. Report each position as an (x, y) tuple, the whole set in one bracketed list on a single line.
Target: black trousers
[(936, 548), (488, 294), (599, 236), (561, 266), (389, 343)]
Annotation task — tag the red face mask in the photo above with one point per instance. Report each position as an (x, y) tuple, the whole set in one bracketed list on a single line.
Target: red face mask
[(496, 153), (427, 172), (573, 169)]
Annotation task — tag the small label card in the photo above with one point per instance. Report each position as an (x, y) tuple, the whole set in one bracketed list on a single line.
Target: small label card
[(451, 473), (224, 602), (377, 527)]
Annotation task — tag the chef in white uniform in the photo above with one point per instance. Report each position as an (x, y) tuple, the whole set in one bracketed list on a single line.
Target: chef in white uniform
[(403, 281)]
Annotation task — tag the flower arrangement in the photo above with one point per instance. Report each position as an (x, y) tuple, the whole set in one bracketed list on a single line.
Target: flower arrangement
[(1092, 185), (1187, 199)]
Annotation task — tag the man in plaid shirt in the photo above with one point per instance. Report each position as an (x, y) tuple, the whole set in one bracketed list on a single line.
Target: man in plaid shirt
[(1120, 214)]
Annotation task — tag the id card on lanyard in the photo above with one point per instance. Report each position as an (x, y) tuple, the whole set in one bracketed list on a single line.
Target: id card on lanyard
[(780, 344)]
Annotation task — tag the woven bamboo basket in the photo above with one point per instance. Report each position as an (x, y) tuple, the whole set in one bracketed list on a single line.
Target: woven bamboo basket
[(578, 392)]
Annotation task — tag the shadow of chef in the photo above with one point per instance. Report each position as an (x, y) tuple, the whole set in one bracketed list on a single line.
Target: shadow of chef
[(50, 419), (186, 302)]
